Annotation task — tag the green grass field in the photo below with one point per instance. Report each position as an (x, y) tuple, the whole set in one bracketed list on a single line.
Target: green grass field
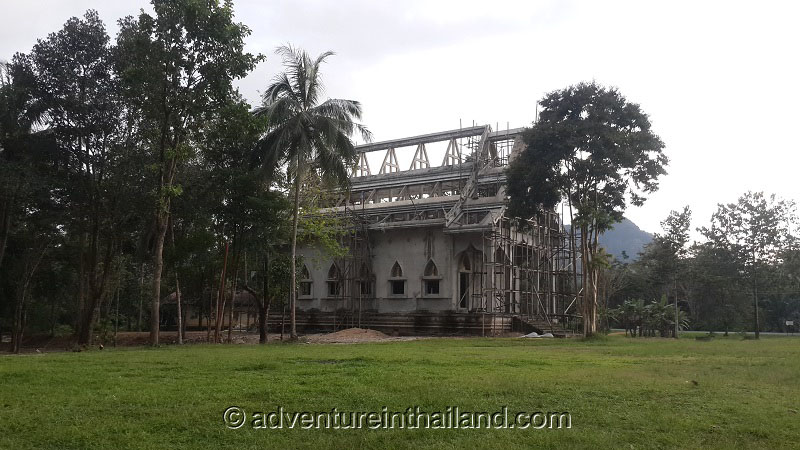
[(620, 392)]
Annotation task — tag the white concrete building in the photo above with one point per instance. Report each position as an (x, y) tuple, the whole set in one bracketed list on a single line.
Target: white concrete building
[(431, 250)]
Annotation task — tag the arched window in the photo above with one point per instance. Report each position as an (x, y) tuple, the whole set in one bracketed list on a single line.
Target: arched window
[(431, 278), (464, 281), (465, 265), (397, 271), (431, 270), (500, 256), (305, 282), (334, 281), (333, 272), (397, 283)]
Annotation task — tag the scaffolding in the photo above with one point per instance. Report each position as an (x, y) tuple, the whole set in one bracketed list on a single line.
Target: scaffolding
[(525, 269), (356, 292)]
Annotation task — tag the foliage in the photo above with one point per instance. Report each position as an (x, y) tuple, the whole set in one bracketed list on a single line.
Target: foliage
[(312, 138), (176, 70), (590, 147), (106, 146), (76, 89), (712, 280), (755, 232), (593, 150), (649, 319)]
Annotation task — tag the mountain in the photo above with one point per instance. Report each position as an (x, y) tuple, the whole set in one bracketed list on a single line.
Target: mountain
[(624, 237)]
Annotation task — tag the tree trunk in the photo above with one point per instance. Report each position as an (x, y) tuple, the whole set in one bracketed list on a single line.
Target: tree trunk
[(141, 296), (587, 298), (676, 308), (17, 324), (177, 287), (263, 322), (210, 305), (86, 320), (263, 308), (755, 303), (52, 320), (98, 292), (293, 286), (5, 221), (81, 285), (233, 299), (158, 267), (595, 278), (218, 319), (116, 308), (180, 312)]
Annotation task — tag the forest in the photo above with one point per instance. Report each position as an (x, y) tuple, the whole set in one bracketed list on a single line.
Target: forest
[(742, 275), (132, 172)]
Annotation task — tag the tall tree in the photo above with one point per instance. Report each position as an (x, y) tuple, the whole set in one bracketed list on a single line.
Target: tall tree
[(755, 231), (77, 90), (718, 298), (249, 208), (594, 150), (665, 256), (310, 136), (23, 144), (30, 214), (177, 69)]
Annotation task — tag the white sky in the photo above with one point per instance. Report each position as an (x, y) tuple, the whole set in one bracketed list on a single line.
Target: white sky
[(720, 80)]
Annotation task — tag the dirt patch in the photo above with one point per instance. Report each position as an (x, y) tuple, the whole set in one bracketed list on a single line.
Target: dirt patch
[(45, 344), (351, 336)]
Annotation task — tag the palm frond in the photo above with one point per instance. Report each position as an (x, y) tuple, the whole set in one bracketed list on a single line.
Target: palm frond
[(302, 133), (315, 86)]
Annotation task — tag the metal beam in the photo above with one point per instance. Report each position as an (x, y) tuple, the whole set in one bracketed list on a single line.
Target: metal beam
[(420, 160), (361, 168), (423, 139), (390, 164), (453, 154), (420, 176), (505, 134)]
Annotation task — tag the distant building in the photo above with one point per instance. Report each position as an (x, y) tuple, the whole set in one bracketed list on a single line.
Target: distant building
[(431, 248)]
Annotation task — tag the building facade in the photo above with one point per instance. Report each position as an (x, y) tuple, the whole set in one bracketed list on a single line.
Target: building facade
[(431, 249)]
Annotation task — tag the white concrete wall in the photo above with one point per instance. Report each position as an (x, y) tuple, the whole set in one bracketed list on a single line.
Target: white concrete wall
[(409, 248)]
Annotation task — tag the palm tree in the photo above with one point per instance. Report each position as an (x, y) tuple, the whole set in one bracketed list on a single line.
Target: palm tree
[(306, 135)]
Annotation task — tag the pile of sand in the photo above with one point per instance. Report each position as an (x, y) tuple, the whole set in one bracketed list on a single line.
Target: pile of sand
[(349, 335)]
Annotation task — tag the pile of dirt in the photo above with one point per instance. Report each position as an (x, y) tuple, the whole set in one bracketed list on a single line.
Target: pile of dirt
[(349, 335)]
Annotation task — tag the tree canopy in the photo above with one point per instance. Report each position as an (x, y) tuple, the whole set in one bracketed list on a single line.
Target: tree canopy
[(312, 136), (593, 150)]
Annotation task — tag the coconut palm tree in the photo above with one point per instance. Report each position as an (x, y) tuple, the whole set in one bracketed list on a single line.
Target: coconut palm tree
[(306, 135)]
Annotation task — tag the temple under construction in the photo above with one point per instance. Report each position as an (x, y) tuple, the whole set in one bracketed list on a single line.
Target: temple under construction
[(431, 250)]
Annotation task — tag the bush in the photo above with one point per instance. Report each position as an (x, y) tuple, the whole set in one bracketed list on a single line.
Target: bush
[(63, 330)]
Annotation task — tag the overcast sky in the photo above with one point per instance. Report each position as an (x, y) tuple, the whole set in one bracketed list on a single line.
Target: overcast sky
[(720, 80)]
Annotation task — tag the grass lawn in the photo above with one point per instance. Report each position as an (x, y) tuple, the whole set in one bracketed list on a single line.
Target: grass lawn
[(620, 392)]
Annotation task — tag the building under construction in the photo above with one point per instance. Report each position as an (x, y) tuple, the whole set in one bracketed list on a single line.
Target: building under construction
[(431, 250)]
